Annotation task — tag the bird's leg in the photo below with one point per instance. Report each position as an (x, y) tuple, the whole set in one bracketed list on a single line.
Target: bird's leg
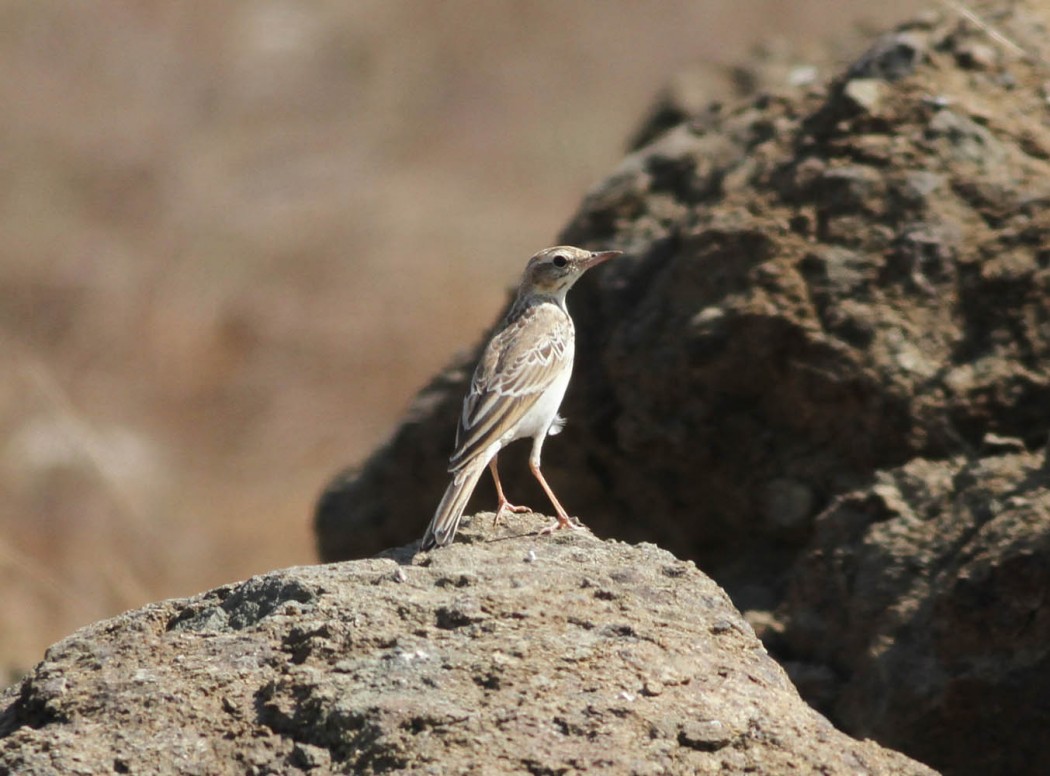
[(563, 520), (503, 504)]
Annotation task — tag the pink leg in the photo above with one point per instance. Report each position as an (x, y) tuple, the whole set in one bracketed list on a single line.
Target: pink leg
[(503, 504), (563, 520)]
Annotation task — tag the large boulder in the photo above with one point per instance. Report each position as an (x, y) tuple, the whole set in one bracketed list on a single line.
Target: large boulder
[(818, 283), (920, 613), (505, 653), (822, 284)]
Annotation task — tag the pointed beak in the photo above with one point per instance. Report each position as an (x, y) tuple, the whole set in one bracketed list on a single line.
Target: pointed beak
[(598, 258)]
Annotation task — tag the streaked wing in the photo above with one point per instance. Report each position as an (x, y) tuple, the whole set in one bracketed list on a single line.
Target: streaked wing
[(518, 365)]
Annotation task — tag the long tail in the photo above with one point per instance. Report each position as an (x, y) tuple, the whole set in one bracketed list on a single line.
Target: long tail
[(442, 528)]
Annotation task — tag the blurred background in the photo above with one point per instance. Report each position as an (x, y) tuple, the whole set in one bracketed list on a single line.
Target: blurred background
[(237, 237)]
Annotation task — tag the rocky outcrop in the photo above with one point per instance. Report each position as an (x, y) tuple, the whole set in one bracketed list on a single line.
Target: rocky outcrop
[(817, 284), (824, 284), (921, 607), (505, 653)]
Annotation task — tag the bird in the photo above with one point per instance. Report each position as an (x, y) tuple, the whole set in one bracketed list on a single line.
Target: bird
[(517, 388)]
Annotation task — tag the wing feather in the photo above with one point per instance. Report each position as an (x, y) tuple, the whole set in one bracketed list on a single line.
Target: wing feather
[(519, 364)]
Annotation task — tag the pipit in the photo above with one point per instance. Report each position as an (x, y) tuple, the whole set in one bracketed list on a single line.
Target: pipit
[(517, 387)]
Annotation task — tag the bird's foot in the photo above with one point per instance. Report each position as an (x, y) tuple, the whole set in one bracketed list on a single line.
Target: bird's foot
[(563, 521), (506, 506)]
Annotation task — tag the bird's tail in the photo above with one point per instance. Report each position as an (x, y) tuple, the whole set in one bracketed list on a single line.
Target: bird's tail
[(442, 528)]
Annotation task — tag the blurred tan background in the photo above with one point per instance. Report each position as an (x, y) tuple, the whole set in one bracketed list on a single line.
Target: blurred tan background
[(237, 237)]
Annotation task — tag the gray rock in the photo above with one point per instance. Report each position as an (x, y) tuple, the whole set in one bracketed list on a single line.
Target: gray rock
[(967, 140), (891, 57), (469, 659)]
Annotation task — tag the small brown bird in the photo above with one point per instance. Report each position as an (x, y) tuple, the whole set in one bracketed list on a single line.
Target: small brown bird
[(517, 387)]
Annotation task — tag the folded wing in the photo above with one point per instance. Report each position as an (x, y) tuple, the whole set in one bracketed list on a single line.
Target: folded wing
[(520, 363)]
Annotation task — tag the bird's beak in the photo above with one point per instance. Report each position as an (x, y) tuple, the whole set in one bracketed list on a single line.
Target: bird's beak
[(598, 258)]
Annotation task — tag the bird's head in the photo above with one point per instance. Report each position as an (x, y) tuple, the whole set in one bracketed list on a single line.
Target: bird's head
[(552, 271)]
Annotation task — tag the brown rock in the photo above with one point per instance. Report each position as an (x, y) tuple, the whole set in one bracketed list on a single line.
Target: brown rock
[(924, 595), (813, 291), (593, 655), (802, 300)]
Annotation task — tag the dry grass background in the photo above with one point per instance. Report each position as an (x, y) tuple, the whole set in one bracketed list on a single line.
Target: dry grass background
[(237, 237)]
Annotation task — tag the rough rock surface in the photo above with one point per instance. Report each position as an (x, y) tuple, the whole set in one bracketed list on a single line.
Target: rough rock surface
[(506, 652), (937, 575), (813, 289), (822, 282)]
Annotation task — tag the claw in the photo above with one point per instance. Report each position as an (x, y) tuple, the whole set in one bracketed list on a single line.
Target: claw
[(562, 522), (506, 506)]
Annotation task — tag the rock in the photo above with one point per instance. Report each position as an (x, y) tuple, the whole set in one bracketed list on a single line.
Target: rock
[(924, 596), (978, 56), (791, 305), (967, 140), (695, 95), (891, 57), (595, 655), (811, 293), (866, 93)]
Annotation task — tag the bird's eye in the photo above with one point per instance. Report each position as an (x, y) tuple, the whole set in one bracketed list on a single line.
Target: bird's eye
[(559, 261)]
